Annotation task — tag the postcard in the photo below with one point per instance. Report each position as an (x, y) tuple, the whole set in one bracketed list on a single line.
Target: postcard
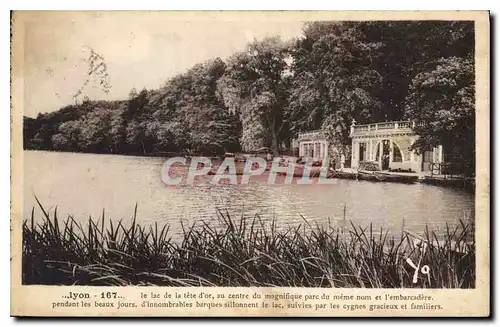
[(234, 163)]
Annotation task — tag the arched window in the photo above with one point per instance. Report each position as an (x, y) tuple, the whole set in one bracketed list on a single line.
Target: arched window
[(396, 153)]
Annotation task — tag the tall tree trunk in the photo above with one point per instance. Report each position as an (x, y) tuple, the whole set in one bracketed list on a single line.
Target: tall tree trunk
[(275, 137), (275, 145)]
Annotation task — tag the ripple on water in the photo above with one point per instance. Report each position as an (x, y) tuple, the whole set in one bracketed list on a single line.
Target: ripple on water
[(85, 184)]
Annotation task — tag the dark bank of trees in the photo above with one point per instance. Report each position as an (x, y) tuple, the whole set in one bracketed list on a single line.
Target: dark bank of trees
[(334, 73), (185, 115)]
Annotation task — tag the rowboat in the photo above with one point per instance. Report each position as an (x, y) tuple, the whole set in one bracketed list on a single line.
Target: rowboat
[(367, 176), (342, 174), (314, 170), (378, 176)]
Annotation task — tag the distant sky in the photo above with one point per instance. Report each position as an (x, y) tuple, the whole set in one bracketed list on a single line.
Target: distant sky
[(140, 49)]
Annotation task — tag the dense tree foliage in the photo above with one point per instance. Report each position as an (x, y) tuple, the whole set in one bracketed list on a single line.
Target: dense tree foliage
[(255, 86), (185, 115), (441, 103), (410, 47), (334, 73), (334, 82)]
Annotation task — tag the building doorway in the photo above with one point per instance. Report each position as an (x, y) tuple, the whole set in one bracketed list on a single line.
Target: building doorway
[(386, 149), (427, 160), (384, 157), (362, 152)]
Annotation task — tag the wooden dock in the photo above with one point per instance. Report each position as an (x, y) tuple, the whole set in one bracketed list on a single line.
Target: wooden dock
[(374, 176), (407, 178)]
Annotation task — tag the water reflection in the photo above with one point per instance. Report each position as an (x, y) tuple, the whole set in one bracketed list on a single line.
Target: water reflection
[(85, 184)]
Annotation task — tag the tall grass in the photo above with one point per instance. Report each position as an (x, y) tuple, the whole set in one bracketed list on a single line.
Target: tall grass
[(243, 252)]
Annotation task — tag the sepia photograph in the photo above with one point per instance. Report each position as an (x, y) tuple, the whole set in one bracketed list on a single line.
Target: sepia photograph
[(248, 150)]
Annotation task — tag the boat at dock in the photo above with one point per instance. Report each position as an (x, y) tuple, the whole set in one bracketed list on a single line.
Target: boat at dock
[(342, 174), (374, 176), (378, 176), (299, 169), (460, 182)]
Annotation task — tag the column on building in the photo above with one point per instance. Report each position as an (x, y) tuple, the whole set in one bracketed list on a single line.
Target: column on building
[(391, 151), (437, 154), (371, 156), (367, 150), (325, 149), (381, 151), (440, 154), (413, 155), (354, 150)]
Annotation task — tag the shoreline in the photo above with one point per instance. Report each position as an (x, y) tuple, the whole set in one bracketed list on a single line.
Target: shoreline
[(244, 252), (467, 184)]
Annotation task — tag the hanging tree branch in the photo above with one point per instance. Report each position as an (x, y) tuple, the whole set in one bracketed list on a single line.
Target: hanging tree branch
[(97, 71)]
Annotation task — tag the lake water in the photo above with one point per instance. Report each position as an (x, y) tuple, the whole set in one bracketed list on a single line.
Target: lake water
[(86, 184)]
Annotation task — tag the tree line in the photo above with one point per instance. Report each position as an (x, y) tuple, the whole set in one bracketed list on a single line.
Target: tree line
[(332, 74)]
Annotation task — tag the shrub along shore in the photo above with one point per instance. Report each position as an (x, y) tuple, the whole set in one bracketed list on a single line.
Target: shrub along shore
[(242, 252)]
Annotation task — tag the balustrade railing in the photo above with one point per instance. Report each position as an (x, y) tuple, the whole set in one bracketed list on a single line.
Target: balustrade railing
[(309, 134), (395, 125), (385, 126)]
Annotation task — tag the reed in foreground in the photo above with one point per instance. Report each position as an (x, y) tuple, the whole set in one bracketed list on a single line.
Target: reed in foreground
[(241, 253)]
